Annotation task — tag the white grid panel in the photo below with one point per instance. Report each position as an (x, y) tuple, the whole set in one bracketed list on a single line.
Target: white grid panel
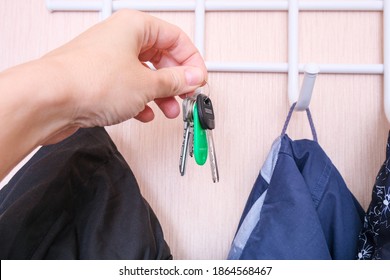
[(292, 67)]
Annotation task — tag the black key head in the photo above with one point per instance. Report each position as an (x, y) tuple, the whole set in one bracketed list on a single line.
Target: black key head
[(205, 112)]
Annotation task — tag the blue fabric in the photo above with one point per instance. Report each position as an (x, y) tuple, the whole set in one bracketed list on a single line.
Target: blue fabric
[(307, 213)]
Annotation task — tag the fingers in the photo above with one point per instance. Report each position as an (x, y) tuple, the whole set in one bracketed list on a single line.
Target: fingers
[(170, 82), (180, 67), (169, 106), (146, 115), (177, 80), (161, 35), (166, 45)]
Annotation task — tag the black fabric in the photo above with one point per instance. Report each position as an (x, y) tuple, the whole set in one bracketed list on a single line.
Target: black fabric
[(374, 239), (78, 199)]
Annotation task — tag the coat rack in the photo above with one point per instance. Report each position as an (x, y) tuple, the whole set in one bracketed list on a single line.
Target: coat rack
[(293, 68)]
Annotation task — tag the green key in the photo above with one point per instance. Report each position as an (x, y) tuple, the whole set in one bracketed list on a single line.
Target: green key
[(200, 139)]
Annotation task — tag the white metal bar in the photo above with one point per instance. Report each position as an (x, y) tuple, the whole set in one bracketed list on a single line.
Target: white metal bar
[(351, 69), (373, 5), (221, 5), (200, 26), (386, 57), (214, 66), (155, 6), (369, 69), (200, 7), (106, 9), (246, 5), (63, 5), (293, 71)]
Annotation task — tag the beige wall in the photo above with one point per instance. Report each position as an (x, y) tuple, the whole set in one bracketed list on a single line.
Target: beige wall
[(200, 218)]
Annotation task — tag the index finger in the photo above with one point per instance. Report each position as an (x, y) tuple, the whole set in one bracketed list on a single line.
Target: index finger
[(166, 45)]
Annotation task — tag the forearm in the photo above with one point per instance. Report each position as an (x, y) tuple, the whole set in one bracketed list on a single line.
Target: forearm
[(34, 107)]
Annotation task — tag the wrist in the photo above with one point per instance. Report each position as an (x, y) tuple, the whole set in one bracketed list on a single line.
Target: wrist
[(54, 99), (34, 107)]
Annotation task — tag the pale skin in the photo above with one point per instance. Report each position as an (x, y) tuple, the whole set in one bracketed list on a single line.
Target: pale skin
[(97, 79)]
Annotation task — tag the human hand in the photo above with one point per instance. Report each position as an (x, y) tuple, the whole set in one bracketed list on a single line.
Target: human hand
[(97, 79), (106, 75)]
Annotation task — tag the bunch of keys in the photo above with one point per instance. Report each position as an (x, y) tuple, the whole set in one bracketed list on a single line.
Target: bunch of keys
[(198, 142)]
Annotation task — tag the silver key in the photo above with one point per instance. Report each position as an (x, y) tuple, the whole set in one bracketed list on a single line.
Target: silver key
[(190, 117), (187, 135), (212, 156), (207, 121), (191, 144)]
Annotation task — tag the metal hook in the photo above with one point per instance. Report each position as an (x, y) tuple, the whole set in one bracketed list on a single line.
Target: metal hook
[(311, 71)]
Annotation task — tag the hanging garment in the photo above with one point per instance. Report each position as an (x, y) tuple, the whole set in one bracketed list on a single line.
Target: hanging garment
[(299, 207), (374, 239), (78, 199)]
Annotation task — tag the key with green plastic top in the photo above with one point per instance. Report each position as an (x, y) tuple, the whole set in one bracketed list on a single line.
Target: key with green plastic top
[(200, 139)]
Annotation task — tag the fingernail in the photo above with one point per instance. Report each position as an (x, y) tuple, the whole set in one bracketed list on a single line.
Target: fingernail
[(194, 76)]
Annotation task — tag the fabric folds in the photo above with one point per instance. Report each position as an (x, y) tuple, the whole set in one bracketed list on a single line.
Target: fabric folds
[(374, 239), (299, 207), (78, 199)]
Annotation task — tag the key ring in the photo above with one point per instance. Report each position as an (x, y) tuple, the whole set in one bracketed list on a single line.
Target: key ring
[(208, 94), (201, 90)]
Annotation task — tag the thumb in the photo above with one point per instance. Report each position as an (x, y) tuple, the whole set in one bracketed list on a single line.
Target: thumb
[(178, 80)]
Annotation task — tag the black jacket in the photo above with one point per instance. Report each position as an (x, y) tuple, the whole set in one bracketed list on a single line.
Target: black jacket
[(78, 199)]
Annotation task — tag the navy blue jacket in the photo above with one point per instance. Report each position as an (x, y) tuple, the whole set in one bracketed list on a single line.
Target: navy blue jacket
[(299, 208)]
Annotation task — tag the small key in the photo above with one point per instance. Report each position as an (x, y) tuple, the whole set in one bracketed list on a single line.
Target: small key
[(190, 107), (207, 121), (212, 156), (200, 139), (187, 139), (191, 140)]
